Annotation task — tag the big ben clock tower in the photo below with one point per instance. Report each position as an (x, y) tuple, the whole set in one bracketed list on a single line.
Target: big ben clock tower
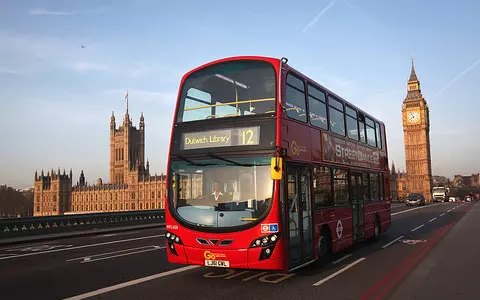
[(416, 129)]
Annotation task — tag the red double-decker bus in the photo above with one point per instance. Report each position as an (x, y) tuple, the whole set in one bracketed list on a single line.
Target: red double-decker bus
[(267, 169)]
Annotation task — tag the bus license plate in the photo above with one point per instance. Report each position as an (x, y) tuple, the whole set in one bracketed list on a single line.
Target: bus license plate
[(217, 263)]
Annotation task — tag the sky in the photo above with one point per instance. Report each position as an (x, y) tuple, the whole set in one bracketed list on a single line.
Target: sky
[(57, 97)]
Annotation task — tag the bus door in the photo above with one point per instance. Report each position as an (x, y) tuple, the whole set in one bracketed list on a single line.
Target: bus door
[(356, 196), (300, 224)]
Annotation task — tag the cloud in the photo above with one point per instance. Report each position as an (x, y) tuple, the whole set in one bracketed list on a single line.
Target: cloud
[(320, 14), (459, 76), (41, 11), (50, 12), (84, 66), (5, 70)]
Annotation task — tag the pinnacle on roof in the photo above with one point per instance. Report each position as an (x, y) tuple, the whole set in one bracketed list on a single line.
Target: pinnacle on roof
[(413, 75)]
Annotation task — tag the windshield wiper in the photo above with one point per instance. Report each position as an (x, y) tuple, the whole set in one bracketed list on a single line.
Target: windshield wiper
[(194, 163), (231, 161)]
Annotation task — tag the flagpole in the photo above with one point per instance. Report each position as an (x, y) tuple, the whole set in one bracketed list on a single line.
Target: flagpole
[(126, 97)]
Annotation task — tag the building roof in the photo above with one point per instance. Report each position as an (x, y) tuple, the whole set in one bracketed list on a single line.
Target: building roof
[(413, 75)]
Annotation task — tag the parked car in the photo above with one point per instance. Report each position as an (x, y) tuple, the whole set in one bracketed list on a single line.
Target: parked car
[(415, 199)]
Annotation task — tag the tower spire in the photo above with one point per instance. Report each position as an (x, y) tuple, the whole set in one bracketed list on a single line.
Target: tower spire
[(413, 75)]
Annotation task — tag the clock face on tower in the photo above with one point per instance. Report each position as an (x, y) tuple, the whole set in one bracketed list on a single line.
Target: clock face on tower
[(413, 117)]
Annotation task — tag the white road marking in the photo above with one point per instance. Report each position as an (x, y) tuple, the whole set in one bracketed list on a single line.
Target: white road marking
[(112, 252), (417, 228), (120, 255), (108, 235), (84, 246), (39, 248), (341, 259), (432, 220), (442, 215), (116, 234), (27, 245), (449, 210), (339, 272), (413, 242), (407, 210), (385, 246), (130, 283), (5, 254)]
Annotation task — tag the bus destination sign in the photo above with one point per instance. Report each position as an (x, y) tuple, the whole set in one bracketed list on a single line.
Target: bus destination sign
[(245, 136)]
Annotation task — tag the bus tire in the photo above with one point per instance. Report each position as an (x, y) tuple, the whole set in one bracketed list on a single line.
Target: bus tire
[(324, 247), (376, 228)]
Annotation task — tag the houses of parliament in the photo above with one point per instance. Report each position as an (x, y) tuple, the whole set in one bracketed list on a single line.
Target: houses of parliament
[(131, 186)]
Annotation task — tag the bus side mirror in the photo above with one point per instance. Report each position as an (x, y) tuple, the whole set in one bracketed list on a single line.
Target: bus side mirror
[(276, 168)]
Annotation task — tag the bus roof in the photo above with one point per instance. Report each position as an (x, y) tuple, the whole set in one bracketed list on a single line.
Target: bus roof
[(277, 61)]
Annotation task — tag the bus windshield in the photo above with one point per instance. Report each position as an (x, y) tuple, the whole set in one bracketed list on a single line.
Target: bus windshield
[(229, 89), (221, 193)]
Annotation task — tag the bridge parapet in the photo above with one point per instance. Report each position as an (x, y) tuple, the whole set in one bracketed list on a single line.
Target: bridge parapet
[(31, 226)]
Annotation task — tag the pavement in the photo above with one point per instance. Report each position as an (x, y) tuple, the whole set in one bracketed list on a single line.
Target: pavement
[(449, 271), (415, 259)]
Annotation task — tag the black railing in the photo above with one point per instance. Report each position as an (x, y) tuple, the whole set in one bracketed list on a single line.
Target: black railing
[(30, 226)]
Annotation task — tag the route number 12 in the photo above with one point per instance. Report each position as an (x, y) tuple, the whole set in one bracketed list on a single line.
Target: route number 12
[(247, 137)]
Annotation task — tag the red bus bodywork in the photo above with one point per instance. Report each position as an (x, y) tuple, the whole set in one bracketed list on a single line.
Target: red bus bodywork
[(304, 144)]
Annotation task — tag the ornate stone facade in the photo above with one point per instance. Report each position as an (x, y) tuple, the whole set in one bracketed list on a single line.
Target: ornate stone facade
[(416, 128), (131, 186), (52, 193)]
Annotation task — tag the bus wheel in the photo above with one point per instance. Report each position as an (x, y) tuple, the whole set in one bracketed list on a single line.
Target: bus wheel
[(324, 248), (376, 230)]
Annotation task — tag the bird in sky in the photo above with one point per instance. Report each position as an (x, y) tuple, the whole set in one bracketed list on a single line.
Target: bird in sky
[(83, 46)]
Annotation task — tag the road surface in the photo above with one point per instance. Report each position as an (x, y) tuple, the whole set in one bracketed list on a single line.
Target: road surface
[(132, 265)]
